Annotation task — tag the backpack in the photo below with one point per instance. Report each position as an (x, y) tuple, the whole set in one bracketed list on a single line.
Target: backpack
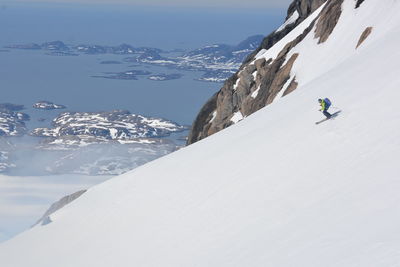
[(327, 103)]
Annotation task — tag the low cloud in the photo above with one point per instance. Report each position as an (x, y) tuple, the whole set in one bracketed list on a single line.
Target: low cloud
[(23, 200)]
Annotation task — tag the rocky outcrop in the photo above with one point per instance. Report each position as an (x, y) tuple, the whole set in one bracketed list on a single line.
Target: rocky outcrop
[(259, 81), (359, 2), (328, 20), (45, 219), (303, 8), (364, 36)]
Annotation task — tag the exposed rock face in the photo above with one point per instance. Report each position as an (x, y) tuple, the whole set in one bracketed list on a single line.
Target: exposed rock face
[(258, 82), (328, 20), (359, 2), (364, 36), (58, 205), (304, 8)]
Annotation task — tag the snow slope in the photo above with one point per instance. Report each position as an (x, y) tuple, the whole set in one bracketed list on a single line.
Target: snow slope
[(272, 190)]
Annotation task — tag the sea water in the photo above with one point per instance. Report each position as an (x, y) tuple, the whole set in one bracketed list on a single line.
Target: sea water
[(27, 76)]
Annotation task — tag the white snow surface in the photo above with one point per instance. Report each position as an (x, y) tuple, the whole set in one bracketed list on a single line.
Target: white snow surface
[(273, 190), (237, 117), (289, 21), (255, 93)]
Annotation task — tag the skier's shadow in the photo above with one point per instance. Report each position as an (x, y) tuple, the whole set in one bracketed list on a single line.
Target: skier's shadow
[(335, 114)]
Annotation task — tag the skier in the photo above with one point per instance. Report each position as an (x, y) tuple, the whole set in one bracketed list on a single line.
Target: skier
[(325, 104)]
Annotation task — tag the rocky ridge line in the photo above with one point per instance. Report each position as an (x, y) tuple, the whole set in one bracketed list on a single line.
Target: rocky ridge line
[(259, 81)]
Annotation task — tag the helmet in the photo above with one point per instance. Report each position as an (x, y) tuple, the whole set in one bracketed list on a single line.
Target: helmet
[(320, 100)]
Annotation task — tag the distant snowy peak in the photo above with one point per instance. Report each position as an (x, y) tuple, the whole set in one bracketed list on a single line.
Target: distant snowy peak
[(113, 125), (47, 105)]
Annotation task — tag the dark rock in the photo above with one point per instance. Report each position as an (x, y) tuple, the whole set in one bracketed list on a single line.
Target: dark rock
[(201, 124), (45, 219), (359, 2), (329, 17), (364, 36)]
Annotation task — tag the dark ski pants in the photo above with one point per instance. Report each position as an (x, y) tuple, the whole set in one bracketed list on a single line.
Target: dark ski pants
[(327, 114)]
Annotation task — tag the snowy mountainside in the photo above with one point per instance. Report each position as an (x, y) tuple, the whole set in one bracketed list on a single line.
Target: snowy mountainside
[(272, 190)]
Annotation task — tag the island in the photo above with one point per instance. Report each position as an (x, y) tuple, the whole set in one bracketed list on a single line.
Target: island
[(110, 62), (84, 128), (47, 105), (165, 77), (217, 61), (126, 75)]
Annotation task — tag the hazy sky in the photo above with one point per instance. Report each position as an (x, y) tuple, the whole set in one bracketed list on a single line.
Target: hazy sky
[(183, 3)]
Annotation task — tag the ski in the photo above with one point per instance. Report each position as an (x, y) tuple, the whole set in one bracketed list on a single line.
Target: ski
[(334, 115)]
